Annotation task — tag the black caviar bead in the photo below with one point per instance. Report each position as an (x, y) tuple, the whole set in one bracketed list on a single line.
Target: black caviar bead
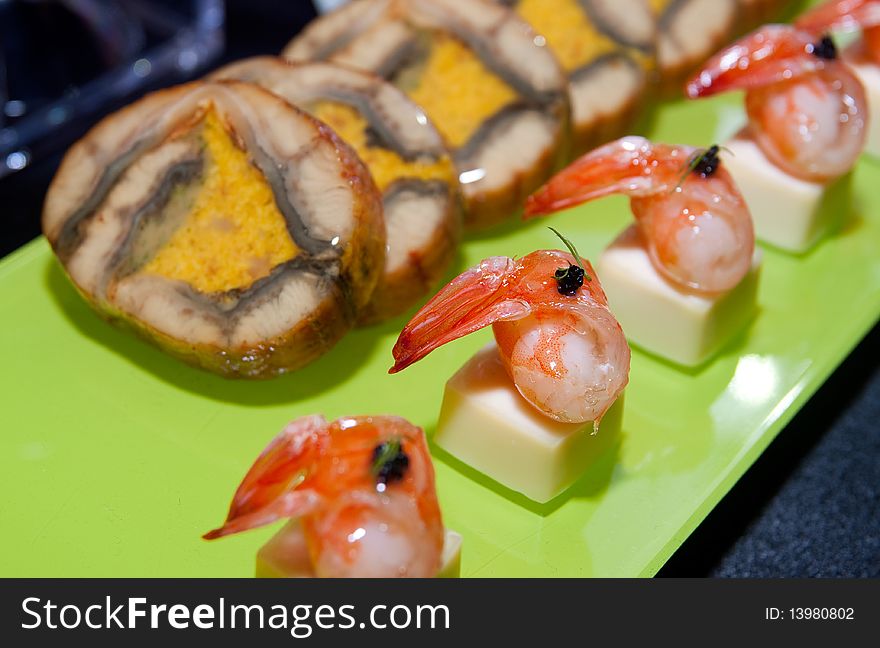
[(569, 279), (708, 162), (393, 467), (824, 49)]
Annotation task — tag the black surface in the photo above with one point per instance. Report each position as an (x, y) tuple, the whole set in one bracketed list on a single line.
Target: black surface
[(810, 506)]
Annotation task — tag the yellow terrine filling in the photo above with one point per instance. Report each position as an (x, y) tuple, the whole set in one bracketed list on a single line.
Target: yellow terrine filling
[(569, 33), (456, 89), (659, 6), (233, 232), (385, 165)]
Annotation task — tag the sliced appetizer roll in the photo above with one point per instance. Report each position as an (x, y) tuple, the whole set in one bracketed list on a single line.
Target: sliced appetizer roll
[(403, 151), (221, 223), (495, 93), (606, 48)]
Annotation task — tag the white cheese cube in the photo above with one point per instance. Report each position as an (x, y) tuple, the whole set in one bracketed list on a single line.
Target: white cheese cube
[(286, 555), (788, 212), (661, 318), (869, 74), (485, 423)]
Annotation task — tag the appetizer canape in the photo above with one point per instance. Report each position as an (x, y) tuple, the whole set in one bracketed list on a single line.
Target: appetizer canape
[(493, 91), (863, 56), (682, 280), (522, 412), (806, 129), (359, 493), (221, 223), (606, 47), (402, 150)]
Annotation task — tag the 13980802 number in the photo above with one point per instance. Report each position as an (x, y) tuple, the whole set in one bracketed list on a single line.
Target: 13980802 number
[(817, 613)]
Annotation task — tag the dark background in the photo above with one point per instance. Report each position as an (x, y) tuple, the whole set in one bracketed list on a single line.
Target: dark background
[(810, 506)]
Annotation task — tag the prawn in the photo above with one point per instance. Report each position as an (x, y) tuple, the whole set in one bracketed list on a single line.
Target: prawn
[(807, 111), (558, 341), (847, 15), (363, 488), (689, 213)]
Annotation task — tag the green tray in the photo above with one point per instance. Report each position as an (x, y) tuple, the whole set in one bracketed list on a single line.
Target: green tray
[(115, 458)]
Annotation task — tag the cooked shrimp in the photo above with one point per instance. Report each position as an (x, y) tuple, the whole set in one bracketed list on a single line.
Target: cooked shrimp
[(847, 16), (693, 220), (363, 488), (807, 112), (558, 341)]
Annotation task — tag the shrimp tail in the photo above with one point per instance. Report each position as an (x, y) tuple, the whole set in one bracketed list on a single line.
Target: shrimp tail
[(768, 55), (269, 490), (631, 165), (841, 15), (475, 299)]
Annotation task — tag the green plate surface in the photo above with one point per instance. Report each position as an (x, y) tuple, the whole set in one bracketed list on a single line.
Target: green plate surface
[(115, 458)]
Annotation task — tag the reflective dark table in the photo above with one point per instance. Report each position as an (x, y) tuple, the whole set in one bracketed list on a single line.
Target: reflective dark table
[(810, 505)]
